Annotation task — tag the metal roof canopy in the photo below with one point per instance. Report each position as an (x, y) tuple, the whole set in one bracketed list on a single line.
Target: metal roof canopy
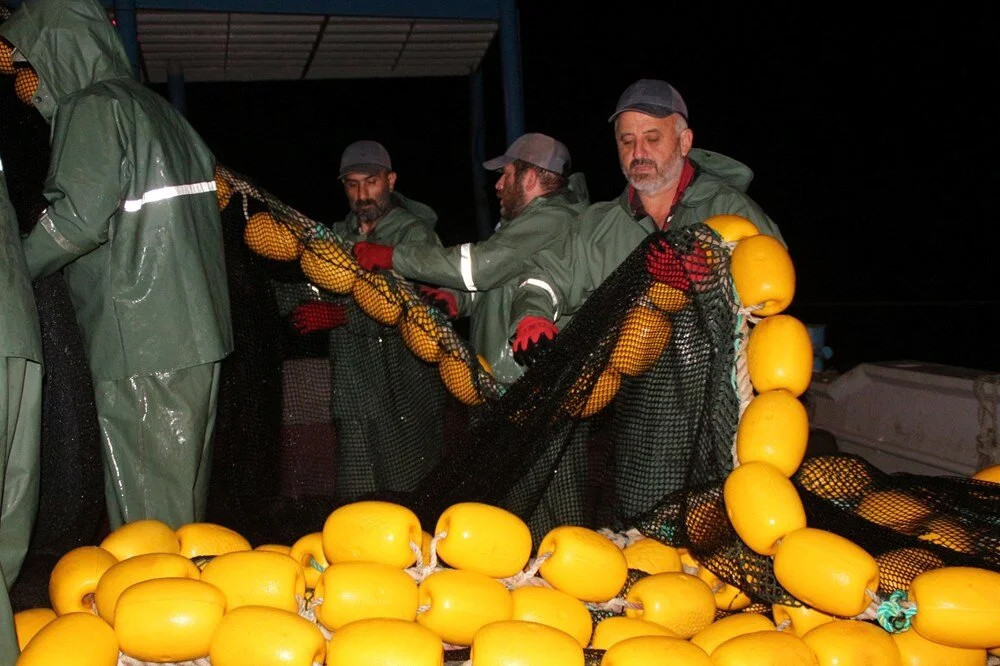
[(253, 40), (242, 46)]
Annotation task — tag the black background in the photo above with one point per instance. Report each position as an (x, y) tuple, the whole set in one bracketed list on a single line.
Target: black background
[(871, 134)]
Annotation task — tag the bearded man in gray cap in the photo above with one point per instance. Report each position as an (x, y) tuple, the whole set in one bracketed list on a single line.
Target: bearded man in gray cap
[(538, 200), (381, 393), (670, 185)]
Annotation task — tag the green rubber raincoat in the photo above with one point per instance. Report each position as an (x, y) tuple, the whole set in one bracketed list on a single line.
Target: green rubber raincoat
[(386, 403), (603, 237), (133, 223), (486, 275), (20, 413), (608, 232)]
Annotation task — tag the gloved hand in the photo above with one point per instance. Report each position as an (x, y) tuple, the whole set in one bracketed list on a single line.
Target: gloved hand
[(373, 256), (667, 265), (442, 299), (532, 339), (318, 316)]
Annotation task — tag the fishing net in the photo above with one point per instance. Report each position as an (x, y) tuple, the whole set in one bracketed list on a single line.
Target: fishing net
[(626, 423)]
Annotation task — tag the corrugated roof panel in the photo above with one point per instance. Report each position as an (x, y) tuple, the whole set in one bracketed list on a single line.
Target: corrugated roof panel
[(242, 46)]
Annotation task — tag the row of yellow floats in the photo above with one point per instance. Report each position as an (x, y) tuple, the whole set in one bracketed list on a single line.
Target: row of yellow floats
[(373, 588), (955, 618), (327, 264)]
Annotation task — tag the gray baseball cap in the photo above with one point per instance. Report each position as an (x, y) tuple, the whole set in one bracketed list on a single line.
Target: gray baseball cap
[(537, 149), (365, 157), (653, 97)]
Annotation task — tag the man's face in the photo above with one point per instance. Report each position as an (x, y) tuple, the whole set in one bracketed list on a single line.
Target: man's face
[(650, 150), (510, 191), (369, 195)]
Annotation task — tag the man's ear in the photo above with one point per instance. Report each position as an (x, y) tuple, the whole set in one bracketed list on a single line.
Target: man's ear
[(391, 177), (686, 140), (529, 180)]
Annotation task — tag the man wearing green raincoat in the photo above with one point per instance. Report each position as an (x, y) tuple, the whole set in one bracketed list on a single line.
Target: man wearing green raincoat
[(20, 414), (134, 225), (670, 185), (386, 404), (538, 201)]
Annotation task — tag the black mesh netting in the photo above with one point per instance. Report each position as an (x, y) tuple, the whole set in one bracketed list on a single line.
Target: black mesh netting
[(628, 420)]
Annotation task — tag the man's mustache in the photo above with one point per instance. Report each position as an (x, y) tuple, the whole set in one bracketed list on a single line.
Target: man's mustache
[(362, 203), (641, 162)]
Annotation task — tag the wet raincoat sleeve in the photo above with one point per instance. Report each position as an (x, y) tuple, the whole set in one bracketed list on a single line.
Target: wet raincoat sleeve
[(84, 185), (563, 274), (485, 265)]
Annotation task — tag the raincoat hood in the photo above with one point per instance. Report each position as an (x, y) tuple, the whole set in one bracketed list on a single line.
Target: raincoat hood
[(732, 172), (71, 44)]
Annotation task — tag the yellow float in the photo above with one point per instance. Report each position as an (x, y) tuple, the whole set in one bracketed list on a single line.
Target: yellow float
[(763, 274), (257, 578), (384, 642), (513, 642), (168, 619), (455, 604), (774, 429), (264, 636), (483, 538), (763, 505), (126, 573), (582, 563), (329, 266), (780, 355), (553, 608), (352, 591), (373, 532), (141, 537), (826, 571), (271, 238), (74, 579), (678, 601)]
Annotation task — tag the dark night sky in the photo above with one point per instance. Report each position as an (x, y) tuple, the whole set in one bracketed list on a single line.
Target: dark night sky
[(872, 139)]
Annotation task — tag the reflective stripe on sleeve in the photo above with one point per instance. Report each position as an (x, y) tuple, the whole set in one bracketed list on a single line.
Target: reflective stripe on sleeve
[(60, 240), (132, 205), (547, 288), (465, 264)]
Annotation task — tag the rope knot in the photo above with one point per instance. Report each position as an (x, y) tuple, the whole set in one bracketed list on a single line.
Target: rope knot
[(894, 613)]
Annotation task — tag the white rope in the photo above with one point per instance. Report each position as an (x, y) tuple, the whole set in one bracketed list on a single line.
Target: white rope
[(419, 571), (616, 605), (622, 539), (744, 386), (527, 577), (125, 660), (870, 613)]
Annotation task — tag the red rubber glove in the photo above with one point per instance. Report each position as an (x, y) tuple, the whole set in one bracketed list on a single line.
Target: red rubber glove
[(667, 265), (318, 316), (373, 256), (532, 339), (442, 299)]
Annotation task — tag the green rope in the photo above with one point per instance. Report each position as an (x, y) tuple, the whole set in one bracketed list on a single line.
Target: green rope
[(316, 565), (892, 615)]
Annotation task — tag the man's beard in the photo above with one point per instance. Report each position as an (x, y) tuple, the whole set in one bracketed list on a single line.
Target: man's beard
[(371, 210), (651, 183), (512, 200)]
